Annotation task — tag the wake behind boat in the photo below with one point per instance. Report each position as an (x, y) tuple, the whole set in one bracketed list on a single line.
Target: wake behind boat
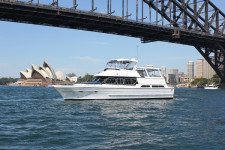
[(120, 80)]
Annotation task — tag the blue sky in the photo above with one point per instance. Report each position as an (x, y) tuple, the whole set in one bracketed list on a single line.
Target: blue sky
[(82, 52)]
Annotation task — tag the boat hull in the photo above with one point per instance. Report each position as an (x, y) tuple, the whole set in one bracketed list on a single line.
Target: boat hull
[(113, 93), (211, 88)]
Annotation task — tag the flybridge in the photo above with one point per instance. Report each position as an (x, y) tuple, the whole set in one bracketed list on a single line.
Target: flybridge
[(122, 64)]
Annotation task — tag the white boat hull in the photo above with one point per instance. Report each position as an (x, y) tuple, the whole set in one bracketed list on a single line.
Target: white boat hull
[(211, 88), (114, 92)]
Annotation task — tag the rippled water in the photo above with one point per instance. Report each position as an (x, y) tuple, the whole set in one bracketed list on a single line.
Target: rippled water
[(38, 118)]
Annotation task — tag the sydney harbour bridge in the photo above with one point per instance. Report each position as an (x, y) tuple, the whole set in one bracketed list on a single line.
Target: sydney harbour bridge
[(197, 23)]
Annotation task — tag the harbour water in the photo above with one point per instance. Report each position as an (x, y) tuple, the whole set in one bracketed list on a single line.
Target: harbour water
[(38, 118)]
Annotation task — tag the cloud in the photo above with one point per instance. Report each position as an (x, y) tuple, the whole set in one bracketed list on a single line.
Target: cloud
[(88, 58), (101, 43)]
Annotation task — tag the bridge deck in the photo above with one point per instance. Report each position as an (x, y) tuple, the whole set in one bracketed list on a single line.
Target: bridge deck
[(24, 12)]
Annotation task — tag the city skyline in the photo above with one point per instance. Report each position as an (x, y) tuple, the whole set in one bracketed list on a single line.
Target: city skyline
[(195, 70), (81, 52)]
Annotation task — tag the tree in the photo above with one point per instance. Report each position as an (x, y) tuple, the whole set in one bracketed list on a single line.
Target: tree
[(86, 78), (216, 79), (200, 81), (5, 81), (71, 75)]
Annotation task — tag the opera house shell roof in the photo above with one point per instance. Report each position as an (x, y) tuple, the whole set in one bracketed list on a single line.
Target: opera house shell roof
[(42, 72)]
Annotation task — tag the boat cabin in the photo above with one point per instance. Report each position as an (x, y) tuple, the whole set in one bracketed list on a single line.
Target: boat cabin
[(149, 71)]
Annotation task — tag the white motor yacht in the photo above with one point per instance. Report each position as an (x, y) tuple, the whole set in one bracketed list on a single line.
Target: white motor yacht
[(120, 80), (211, 87)]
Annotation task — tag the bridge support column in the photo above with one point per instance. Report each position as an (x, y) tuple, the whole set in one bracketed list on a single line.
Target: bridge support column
[(217, 61)]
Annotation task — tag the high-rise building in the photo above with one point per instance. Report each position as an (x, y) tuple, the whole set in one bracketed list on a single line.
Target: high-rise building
[(204, 70), (208, 71), (190, 71), (199, 68), (175, 72)]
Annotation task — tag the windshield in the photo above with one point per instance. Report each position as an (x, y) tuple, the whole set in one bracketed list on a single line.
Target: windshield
[(142, 73), (154, 72), (131, 66), (121, 65)]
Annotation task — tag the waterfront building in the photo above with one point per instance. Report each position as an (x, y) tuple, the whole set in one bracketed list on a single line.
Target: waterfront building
[(190, 71), (204, 70), (199, 68), (72, 79), (43, 75), (208, 71), (175, 72), (26, 74), (182, 77), (60, 75)]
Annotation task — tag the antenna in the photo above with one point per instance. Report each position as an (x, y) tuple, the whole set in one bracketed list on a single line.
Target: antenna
[(137, 52)]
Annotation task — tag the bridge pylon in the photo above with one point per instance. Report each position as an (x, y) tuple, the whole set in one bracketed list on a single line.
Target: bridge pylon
[(200, 16), (215, 56)]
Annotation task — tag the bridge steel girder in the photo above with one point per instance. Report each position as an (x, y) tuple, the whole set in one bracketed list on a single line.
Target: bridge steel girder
[(187, 10), (216, 48), (217, 61)]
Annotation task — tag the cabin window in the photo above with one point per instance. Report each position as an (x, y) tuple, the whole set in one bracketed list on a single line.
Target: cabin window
[(131, 66), (157, 86), (99, 79), (142, 73), (154, 73), (122, 65), (145, 86), (128, 81), (118, 81), (110, 81)]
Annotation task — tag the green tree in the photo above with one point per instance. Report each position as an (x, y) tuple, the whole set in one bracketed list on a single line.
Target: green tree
[(86, 78), (200, 82), (216, 79), (71, 75), (5, 81)]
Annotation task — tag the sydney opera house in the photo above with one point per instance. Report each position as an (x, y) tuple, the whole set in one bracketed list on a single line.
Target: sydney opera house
[(43, 76)]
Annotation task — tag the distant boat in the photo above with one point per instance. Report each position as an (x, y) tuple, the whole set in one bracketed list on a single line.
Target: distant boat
[(181, 86), (211, 87)]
